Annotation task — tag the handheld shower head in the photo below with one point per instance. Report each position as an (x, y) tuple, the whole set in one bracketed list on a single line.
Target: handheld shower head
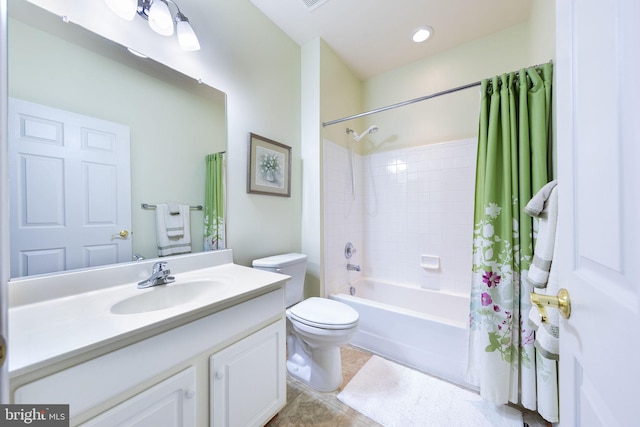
[(372, 129), (357, 138)]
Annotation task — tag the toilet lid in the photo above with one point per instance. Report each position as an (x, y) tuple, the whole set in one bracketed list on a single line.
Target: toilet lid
[(324, 313)]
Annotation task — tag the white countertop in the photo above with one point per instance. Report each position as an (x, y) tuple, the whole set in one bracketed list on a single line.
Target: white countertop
[(46, 332)]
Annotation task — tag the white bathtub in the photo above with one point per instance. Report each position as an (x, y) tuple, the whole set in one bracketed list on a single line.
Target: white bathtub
[(421, 328)]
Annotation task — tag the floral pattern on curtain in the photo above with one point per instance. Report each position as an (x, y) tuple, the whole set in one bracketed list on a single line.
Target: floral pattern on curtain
[(214, 203), (512, 165)]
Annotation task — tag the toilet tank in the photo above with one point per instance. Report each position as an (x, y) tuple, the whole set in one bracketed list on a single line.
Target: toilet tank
[(292, 264)]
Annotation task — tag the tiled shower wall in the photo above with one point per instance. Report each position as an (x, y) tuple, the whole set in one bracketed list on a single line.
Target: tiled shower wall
[(409, 206), (343, 215)]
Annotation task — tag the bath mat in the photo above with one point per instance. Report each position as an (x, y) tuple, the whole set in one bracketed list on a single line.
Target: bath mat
[(394, 395)]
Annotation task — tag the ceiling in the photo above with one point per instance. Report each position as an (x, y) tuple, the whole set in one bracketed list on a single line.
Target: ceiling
[(374, 36)]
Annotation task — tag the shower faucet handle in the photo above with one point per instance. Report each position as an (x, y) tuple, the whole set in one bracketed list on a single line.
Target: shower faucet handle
[(349, 250)]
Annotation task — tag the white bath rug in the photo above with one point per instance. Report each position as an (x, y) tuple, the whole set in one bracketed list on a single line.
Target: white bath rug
[(394, 395)]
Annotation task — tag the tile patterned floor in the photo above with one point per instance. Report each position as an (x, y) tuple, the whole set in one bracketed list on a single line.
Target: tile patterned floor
[(310, 408), (307, 407)]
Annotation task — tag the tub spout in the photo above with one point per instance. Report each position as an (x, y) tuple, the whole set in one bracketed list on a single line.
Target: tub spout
[(353, 267)]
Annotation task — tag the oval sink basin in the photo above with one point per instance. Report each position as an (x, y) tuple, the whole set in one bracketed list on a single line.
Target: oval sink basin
[(167, 296)]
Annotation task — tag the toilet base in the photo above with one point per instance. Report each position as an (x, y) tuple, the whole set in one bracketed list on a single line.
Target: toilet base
[(320, 368)]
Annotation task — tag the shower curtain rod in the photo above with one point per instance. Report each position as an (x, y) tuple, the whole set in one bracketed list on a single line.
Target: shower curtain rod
[(411, 101), (400, 104)]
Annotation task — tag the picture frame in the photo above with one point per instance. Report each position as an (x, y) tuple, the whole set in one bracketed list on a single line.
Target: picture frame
[(269, 167)]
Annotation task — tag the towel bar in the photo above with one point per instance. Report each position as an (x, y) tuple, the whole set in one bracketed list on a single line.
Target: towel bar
[(148, 206)]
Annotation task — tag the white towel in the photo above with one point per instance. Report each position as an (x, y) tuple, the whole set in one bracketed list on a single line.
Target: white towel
[(179, 242), (543, 274), (536, 204), (543, 207), (173, 219), (547, 346), (174, 208)]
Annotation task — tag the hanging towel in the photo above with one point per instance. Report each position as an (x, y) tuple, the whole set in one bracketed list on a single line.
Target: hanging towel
[(536, 204), (174, 208), (546, 210), (543, 274), (180, 242), (173, 219)]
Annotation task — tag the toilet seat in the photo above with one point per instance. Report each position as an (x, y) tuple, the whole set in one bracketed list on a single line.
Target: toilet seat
[(324, 313)]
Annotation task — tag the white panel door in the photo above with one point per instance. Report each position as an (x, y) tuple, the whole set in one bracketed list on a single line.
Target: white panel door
[(69, 190), (598, 134)]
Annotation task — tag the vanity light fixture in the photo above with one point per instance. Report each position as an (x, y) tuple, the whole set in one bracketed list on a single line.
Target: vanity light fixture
[(186, 36), (125, 9), (161, 20), (422, 34), (159, 16)]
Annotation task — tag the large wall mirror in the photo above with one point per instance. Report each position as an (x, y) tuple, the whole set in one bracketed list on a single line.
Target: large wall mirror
[(174, 122)]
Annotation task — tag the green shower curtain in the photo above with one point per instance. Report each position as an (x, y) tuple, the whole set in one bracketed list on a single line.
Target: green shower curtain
[(512, 165), (214, 207)]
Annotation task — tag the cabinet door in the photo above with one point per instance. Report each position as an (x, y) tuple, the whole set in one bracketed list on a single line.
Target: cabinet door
[(248, 379), (169, 403)]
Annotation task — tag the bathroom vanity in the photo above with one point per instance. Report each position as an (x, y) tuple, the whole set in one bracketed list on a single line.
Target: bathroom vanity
[(209, 353)]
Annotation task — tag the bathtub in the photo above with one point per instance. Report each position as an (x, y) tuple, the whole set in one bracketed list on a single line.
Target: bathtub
[(421, 328)]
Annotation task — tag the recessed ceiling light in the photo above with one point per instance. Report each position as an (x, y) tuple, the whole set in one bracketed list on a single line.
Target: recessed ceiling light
[(421, 34)]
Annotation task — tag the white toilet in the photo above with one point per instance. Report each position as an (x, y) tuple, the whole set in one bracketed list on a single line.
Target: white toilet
[(316, 327)]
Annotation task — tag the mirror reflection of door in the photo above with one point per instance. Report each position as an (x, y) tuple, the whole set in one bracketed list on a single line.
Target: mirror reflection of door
[(59, 161)]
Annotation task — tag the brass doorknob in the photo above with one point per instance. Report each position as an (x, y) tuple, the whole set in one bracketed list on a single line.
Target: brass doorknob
[(562, 302), (123, 234)]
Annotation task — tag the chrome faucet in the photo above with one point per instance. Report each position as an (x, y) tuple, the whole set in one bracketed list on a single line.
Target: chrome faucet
[(159, 276), (353, 267)]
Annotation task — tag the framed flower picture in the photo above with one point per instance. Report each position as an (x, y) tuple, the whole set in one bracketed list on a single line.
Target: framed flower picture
[(269, 167)]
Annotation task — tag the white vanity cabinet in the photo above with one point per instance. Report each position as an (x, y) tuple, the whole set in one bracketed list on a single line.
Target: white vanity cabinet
[(248, 379), (170, 378)]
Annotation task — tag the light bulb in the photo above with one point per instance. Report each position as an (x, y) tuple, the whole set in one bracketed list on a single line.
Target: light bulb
[(125, 9), (160, 19), (186, 36)]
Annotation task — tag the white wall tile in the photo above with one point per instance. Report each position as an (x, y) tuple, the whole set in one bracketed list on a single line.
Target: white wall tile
[(408, 203)]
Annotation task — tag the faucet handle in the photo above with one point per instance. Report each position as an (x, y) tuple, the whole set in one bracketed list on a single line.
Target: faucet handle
[(159, 266), (349, 250)]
